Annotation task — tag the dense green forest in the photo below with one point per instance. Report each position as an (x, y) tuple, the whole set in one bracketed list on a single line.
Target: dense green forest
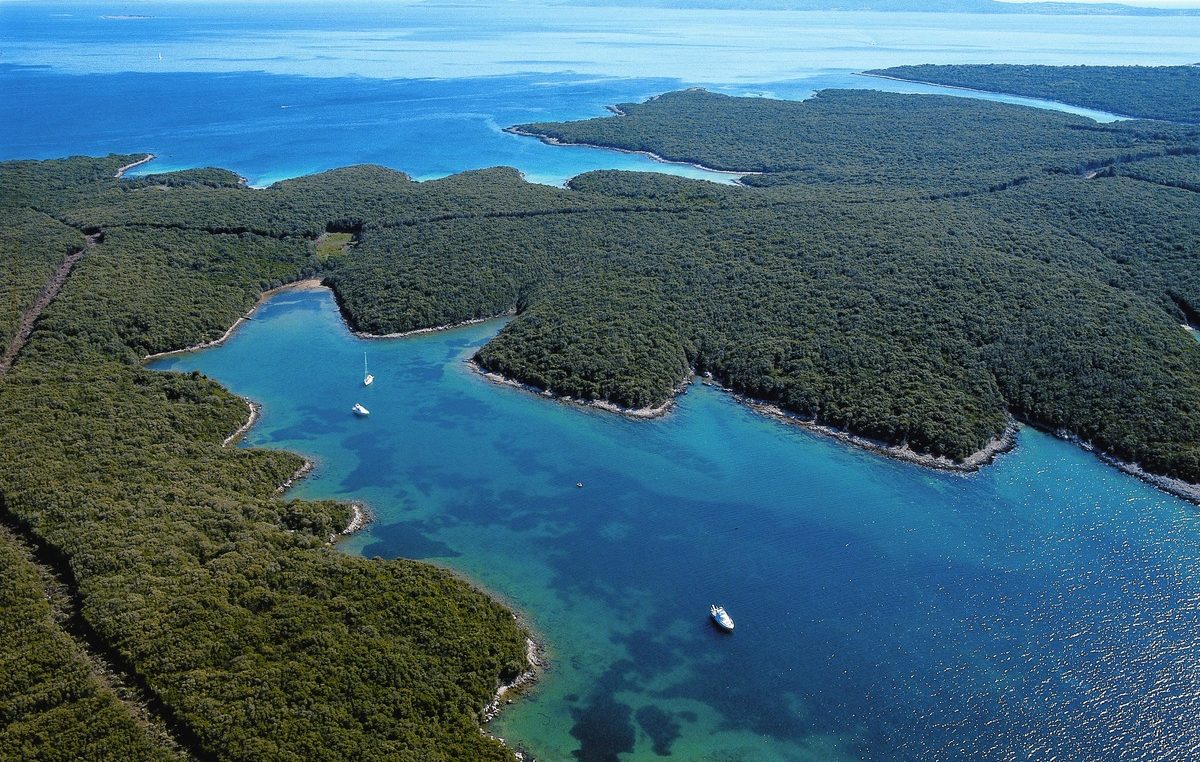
[(52, 705), (34, 244), (841, 139), (911, 268), (931, 280), (220, 601), (1171, 93)]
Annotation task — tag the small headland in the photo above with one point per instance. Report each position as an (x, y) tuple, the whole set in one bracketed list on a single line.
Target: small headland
[(307, 284), (122, 170), (431, 329), (654, 411), (994, 448), (735, 175)]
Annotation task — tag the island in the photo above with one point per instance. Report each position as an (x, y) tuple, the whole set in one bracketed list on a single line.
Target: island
[(914, 273)]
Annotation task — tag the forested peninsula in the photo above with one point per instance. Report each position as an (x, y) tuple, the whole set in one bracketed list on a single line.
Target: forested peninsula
[(914, 269), (918, 270), (1171, 93)]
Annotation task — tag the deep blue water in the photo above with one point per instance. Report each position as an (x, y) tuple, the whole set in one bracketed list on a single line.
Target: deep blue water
[(1046, 607)]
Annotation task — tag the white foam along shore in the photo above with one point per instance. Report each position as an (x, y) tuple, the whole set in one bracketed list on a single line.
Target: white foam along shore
[(736, 175), (147, 158)]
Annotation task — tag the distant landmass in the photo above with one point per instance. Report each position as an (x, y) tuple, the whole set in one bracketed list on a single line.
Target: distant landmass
[(1171, 93), (924, 6)]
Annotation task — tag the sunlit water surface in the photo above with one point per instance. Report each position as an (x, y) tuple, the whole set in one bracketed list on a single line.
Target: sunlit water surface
[(272, 90), (1046, 607)]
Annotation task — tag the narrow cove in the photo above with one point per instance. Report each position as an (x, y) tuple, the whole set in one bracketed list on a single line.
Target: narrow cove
[(883, 610)]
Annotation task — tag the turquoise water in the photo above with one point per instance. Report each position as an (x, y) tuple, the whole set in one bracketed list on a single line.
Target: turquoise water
[(272, 90), (269, 127), (1045, 607)]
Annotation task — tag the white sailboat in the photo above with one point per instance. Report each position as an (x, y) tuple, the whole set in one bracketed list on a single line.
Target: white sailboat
[(368, 379), (360, 411)]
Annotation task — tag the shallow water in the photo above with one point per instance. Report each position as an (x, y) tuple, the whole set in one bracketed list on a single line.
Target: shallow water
[(269, 127), (273, 91), (1045, 606)]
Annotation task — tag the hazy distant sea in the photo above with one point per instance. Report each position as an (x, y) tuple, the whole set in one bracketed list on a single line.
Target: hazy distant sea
[(275, 90)]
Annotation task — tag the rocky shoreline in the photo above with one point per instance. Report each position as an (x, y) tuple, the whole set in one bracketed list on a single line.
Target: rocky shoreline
[(304, 470), (656, 411), (879, 75), (553, 141), (122, 170), (359, 518), (982, 457), (255, 414), (433, 329), (535, 656), (997, 446), (973, 462), (1177, 487)]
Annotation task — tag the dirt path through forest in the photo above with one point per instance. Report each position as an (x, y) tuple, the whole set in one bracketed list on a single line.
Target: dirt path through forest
[(49, 291)]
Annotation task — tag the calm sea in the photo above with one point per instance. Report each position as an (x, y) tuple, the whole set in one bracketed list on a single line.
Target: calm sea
[(1043, 608), (1046, 607), (272, 90)]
